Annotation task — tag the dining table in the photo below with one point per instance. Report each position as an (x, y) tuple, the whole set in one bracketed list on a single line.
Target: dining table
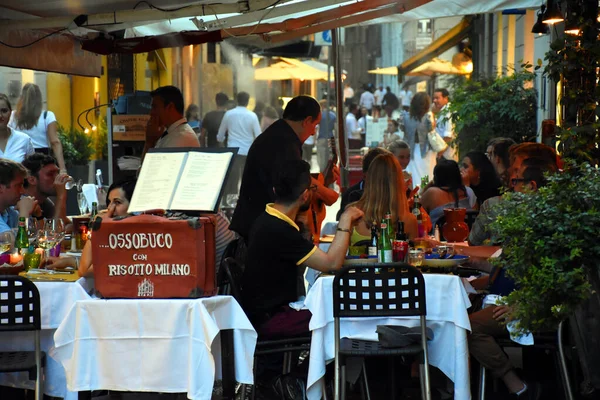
[(447, 304), (58, 292), (154, 345)]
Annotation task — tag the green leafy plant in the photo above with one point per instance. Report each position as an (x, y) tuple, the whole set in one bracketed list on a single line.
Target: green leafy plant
[(550, 246), (489, 107), (77, 146)]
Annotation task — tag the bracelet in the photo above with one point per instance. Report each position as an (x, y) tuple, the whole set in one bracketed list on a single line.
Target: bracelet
[(343, 230)]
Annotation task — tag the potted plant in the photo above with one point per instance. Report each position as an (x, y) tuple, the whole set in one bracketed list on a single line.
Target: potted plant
[(488, 107), (550, 248), (78, 148)]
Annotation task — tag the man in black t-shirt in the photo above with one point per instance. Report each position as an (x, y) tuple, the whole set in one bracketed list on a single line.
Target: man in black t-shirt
[(280, 142), (212, 121), (276, 249)]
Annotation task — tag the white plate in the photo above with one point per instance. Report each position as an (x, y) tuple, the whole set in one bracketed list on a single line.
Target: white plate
[(444, 262)]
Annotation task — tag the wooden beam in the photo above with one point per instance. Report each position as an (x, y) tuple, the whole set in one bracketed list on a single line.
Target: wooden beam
[(128, 16), (295, 24), (340, 22)]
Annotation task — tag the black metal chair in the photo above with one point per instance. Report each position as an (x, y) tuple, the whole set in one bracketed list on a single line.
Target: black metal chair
[(20, 312), (229, 282), (547, 341), (378, 290)]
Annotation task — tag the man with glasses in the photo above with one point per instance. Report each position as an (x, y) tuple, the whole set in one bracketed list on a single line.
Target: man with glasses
[(12, 205)]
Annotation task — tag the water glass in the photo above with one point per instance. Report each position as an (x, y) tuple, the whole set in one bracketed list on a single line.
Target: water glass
[(6, 241), (415, 257), (82, 203), (31, 260)]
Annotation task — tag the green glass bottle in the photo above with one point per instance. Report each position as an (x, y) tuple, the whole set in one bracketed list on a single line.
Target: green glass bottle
[(384, 251), (22, 239)]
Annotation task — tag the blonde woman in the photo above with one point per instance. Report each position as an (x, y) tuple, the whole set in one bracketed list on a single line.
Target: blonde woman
[(39, 125), (384, 191)]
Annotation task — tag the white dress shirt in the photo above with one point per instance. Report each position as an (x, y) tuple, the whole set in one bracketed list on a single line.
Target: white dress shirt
[(18, 146), (179, 134), (445, 129), (352, 129), (241, 126), (406, 97), (367, 99)]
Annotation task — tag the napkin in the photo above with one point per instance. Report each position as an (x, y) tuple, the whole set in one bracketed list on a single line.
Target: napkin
[(90, 193), (525, 339)]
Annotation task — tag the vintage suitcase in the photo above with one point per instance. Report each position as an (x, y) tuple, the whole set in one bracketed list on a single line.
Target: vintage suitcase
[(149, 256)]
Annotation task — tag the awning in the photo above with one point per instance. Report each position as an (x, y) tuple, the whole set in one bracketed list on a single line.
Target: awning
[(58, 53), (289, 68), (385, 71), (435, 66), (445, 42)]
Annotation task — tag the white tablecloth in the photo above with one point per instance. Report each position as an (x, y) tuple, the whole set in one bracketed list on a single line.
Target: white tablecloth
[(56, 299), (447, 303), (152, 345)]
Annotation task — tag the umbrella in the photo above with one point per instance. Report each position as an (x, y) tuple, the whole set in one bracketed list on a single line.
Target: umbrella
[(436, 67), (289, 68), (385, 71)]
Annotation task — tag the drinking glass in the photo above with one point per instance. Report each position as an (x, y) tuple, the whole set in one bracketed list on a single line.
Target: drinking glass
[(415, 257), (6, 241), (82, 203), (31, 261)]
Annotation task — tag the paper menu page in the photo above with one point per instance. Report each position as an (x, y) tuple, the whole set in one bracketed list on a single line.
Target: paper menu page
[(201, 181), (156, 182)]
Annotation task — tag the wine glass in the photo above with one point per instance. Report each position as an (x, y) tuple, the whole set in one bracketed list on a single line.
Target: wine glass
[(82, 203), (49, 235)]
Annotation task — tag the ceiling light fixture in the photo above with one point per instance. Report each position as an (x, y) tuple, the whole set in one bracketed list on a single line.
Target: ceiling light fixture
[(553, 15), (540, 27)]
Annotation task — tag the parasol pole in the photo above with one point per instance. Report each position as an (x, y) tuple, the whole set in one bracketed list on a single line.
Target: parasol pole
[(339, 97)]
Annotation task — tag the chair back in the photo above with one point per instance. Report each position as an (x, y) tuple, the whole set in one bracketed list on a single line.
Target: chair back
[(19, 304), (376, 290), (230, 278)]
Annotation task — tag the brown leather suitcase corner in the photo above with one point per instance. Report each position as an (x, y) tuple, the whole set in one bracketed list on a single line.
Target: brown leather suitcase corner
[(148, 256)]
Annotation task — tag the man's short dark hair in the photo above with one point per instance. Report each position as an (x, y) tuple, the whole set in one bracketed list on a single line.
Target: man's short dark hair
[(9, 170), (221, 99), (35, 162), (445, 93), (243, 99), (301, 107), (170, 94), (370, 156), (290, 179), (500, 148), (353, 107), (534, 169)]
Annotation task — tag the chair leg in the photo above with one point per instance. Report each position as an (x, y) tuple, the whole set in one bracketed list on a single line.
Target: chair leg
[(563, 364), (481, 383), (343, 389), (366, 381), (39, 391), (392, 377), (337, 387)]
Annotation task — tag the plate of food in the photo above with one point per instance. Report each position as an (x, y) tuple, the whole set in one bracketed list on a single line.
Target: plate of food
[(449, 260)]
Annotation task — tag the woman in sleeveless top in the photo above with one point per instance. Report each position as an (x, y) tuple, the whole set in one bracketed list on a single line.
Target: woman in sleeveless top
[(384, 192), (447, 190), (39, 125)]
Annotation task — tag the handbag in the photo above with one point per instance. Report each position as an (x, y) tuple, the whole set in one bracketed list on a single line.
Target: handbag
[(437, 143)]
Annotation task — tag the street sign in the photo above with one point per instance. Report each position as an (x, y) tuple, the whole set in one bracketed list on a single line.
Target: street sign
[(323, 38)]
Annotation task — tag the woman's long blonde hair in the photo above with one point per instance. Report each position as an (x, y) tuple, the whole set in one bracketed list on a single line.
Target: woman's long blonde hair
[(29, 107), (384, 191)]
